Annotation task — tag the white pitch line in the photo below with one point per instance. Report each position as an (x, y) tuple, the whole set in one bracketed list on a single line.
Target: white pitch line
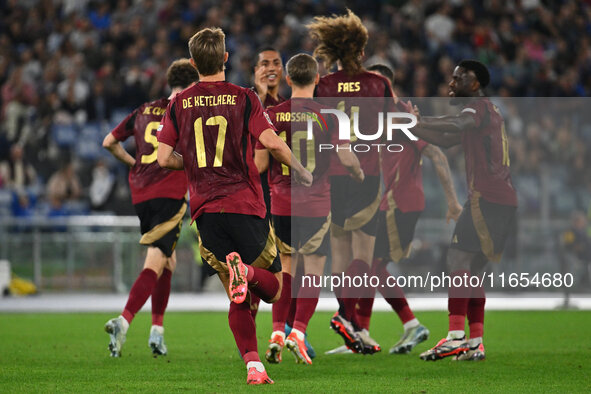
[(84, 302)]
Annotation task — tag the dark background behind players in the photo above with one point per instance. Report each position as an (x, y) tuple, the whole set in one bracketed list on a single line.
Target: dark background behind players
[(70, 71)]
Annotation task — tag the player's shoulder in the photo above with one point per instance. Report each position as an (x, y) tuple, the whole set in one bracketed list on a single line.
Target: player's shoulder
[(161, 102), (152, 108), (478, 105), (284, 106)]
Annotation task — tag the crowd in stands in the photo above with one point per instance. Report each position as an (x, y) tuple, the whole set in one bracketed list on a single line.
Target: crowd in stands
[(70, 70)]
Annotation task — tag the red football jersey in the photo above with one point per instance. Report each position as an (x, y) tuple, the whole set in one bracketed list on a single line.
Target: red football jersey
[(147, 180), (210, 125), (486, 152), (268, 103), (291, 120), (403, 176), (362, 85), (271, 102)]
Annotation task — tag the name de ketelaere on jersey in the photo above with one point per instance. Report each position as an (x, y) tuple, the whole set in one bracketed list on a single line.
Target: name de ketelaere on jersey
[(210, 124), (147, 180), (486, 151), (291, 121), (365, 84)]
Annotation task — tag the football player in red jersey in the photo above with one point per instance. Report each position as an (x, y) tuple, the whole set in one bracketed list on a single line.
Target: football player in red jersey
[(489, 213), (268, 72), (158, 196), (341, 40), (400, 209), (301, 215), (207, 132)]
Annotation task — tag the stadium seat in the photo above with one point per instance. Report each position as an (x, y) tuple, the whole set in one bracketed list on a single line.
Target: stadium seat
[(64, 135)]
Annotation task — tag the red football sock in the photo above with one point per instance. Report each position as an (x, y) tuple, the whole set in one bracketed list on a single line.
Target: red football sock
[(338, 293), (476, 312), (306, 305), (363, 313), (140, 291), (255, 300), (296, 284), (457, 303), (395, 296), (282, 306), (262, 283), (351, 294), (365, 303), (243, 328), (160, 296)]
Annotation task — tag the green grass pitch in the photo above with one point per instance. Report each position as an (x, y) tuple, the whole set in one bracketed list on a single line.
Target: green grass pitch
[(526, 352)]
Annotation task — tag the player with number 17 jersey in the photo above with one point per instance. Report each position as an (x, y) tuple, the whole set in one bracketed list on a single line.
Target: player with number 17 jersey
[(217, 151), (147, 180)]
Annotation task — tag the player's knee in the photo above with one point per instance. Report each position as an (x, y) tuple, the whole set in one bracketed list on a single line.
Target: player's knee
[(171, 262), (155, 260), (276, 297)]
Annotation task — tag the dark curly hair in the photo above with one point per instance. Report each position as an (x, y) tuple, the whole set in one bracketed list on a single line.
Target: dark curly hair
[(340, 38), (181, 74)]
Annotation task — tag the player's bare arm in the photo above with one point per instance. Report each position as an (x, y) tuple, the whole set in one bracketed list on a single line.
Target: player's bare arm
[(350, 161), (454, 209), (448, 123), (437, 137), (261, 160), (168, 158), (281, 152), (112, 145)]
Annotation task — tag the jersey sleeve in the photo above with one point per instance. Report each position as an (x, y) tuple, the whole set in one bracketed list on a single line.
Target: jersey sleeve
[(259, 146), (124, 130), (420, 144), (258, 119), (168, 132), (477, 111)]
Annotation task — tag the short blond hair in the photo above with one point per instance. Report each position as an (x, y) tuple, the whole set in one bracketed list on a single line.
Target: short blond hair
[(207, 48), (302, 69)]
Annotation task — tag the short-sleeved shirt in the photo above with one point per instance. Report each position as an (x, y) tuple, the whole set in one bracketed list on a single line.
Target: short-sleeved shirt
[(210, 124), (291, 121), (362, 85), (147, 180), (486, 152), (403, 176)]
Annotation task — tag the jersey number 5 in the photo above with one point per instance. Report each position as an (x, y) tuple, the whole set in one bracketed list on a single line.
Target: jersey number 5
[(151, 139), (222, 124)]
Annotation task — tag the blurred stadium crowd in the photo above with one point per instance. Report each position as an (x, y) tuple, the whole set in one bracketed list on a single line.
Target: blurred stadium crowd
[(70, 70)]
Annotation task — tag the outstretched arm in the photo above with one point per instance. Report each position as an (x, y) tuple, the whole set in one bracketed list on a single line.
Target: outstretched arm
[(442, 131), (448, 123), (454, 209), (281, 152), (444, 140)]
